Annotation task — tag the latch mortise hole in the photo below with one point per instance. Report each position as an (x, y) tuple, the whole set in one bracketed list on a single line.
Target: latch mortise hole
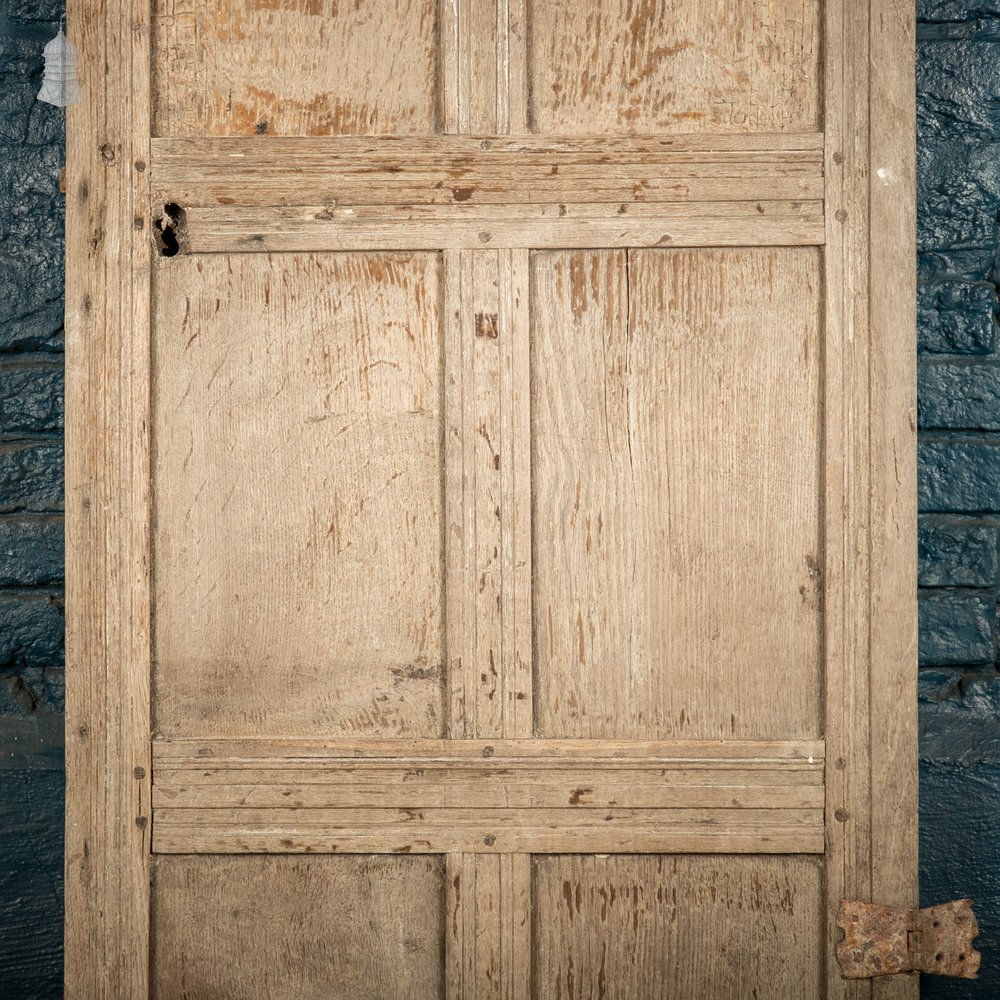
[(170, 230)]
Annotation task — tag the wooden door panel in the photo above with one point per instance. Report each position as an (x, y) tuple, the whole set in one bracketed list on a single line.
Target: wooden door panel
[(294, 594), (297, 928), (679, 927), (333, 68), (676, 453), (490, 497), (666, 66)]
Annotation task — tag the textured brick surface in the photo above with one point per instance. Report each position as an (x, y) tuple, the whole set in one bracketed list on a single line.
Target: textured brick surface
[(956, 628), (31, 476), (958, 162), (31, 544), (31, 629), (31, 551), (959, 475), (957, 317), (31, 397), (960, 396), (957, 554)]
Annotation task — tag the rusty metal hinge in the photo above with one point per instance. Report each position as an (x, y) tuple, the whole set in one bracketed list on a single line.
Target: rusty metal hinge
[(883, 940)]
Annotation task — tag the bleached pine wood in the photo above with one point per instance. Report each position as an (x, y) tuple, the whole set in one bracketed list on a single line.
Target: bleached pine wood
[(678, 928), (617, 67), (480, 796), (294, 68), (297, 928), (483, 69), (892, 570), (488, 543), (297, 495), (252, 753), (108, 507), (447, 778), (453, 227), (679, 494), (654, 127), (502, 169), (488, 926), (578, 788), (501, 831), (847, 410)]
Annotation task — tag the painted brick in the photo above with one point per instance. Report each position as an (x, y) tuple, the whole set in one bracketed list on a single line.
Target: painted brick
[(31, 477), (958, 716), (959, 811), (959, 396), (31, 551), (31, 234), (958, 83), (958, 555), (976, 264), (956, 628), (44, 12), (31, 631), (956, 317), (24, 120), (31, 398), (958, 187), (31, 693), (31, 883), (961, 477), (955, 10), (959, 806)]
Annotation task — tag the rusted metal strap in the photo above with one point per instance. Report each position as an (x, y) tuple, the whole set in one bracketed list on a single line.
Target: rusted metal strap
[(884, 940)]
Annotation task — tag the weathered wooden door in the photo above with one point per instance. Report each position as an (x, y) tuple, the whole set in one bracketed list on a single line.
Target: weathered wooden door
[(490, 497)]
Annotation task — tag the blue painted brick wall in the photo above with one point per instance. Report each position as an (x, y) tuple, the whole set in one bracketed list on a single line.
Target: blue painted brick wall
[(31, 529), (958, 161), (959, 413)]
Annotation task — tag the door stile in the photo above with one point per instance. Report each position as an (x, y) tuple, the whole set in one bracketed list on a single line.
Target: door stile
[(488, 586), (893, 469), (488, 920), (848, 790), (488, 501), (484, 71), (869, 720), (108, 506)]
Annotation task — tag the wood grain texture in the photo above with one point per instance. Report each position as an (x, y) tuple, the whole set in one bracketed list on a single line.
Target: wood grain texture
[(488, 926), (658, 66), (488, 543), (290, 928), (483, 73), (107, 506), (502, 170), (372, 830), (248, 752), (847, 413), (677, 494), (473, 795), (299, 68), (456, 227), (654, 491), (298, 550), (521, 774), (678, 928), (892, 244)]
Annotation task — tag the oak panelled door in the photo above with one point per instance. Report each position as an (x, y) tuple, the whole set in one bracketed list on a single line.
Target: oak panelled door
[(490, 499)]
